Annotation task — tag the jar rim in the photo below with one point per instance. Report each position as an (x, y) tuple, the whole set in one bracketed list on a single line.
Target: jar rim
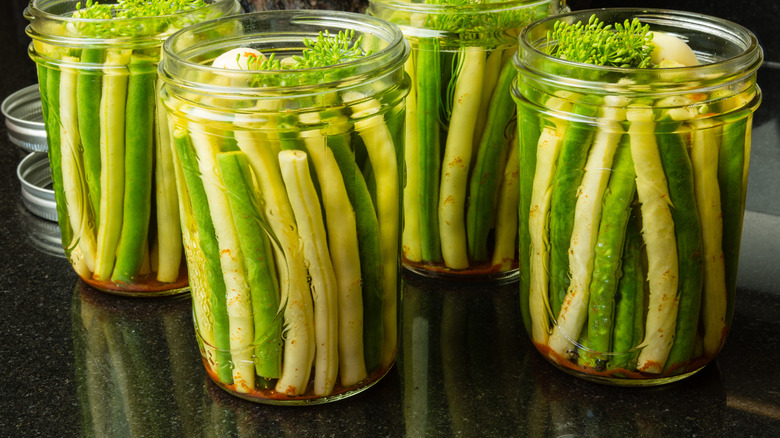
[(732, 52), (41, 20), (428, 8), (738, 33), (38, 8), (395, 48)]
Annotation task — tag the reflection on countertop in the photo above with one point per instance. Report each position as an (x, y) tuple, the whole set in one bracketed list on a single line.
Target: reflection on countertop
[(76, 361), (466, 369)]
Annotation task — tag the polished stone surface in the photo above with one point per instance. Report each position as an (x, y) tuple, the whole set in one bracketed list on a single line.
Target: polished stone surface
[(466, 367)]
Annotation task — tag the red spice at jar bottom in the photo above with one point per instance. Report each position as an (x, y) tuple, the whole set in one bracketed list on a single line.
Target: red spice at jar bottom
[(569, 364), (476, 270), (144, 285), (271, 395)]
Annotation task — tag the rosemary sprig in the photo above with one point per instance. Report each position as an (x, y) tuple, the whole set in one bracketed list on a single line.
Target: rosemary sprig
[(626, 45)]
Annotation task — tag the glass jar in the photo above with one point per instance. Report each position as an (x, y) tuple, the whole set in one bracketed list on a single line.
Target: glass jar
[(111, 170), (631, 199), (460, 193), (290, 185)]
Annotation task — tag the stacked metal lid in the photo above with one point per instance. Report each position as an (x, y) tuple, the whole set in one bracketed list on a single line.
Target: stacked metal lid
[(24, 121), (37, 194)]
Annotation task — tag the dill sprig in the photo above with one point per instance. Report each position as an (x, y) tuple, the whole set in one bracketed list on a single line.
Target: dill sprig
[(626, 45), (133, 8), (255, 62), (478, 25), (325, 51)]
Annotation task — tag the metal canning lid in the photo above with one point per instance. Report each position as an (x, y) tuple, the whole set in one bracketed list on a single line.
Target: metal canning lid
[(37, 195), (24, 119)]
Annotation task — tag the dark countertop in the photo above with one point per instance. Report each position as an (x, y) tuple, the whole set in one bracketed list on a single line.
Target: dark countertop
[(466, 368)]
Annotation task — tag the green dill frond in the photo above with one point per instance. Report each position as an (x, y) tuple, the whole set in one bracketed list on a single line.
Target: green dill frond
[(326, 50), (133, 8), (483, 26), (626, 45), (254, 62)]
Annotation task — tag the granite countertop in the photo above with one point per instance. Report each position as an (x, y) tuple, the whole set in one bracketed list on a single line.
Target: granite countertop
[(466, 367)]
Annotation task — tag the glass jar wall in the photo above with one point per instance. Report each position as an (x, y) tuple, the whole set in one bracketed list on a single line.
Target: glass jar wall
[(632, 194), (290, 187), (111, 169), (460, 193)]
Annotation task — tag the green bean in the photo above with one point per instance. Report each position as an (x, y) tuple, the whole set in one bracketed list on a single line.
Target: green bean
[(139, 159), (608, 253), (50, 95), (208, 243), (658, 230), (369, 247), (457, 159), (288, 136), (505, 251), (73, 184), (587, 214), (629, 299), (307, 209), (112, 157), (429, 149), (258, 261), (343, 243), (704, 158), (568, 174), (529, 132), (237, 298), (495, 59), (169, 233), (548, 148), (299, 343), (485, 177), (380, 146), (731, 179), (412, 249), (88, 97), (679, 174)]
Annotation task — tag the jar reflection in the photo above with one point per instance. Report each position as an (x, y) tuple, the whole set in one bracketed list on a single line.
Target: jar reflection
[(460, 344), (370, 413), (561, 405), (135, 365)]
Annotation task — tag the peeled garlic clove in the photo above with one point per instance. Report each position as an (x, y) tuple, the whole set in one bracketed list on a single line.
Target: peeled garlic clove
[(237, 59), (671, 51)]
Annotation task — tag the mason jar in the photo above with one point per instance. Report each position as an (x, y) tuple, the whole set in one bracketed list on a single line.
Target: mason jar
[(290, 188), (632, 194), (111, 170), (460, 193)]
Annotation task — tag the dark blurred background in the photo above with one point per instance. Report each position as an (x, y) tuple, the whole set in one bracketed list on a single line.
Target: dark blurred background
[(760, 16)]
